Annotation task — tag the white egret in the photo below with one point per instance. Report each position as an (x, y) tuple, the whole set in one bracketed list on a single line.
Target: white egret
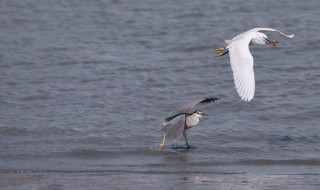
[(242, 60)]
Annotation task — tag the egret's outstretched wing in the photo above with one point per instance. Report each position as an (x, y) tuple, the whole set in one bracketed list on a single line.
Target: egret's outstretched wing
[(242, 67), (188, 107), (271, 30), (174, 127), (242, 61)]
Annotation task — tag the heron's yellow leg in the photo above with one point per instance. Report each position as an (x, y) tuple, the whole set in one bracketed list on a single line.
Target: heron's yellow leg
[(220, 49), (163, 141)]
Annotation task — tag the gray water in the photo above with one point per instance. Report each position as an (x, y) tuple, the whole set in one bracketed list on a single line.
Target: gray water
[(84, 86)]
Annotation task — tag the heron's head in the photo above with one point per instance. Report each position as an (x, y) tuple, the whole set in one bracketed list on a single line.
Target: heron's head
[(199, 113), (262, 39)]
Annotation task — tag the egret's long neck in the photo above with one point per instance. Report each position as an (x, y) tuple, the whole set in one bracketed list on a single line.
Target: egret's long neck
[(244, 39)]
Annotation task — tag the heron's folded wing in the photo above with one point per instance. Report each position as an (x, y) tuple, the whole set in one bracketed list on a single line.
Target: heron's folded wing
[(174, 127), (271, 30), (242, 67)]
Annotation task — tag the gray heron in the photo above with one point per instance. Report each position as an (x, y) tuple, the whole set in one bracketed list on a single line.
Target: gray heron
[(182, 119)]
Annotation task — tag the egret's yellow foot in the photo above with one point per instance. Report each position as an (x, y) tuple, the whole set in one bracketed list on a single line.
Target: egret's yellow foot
[(163, 141), (220, 49), (219, 54)]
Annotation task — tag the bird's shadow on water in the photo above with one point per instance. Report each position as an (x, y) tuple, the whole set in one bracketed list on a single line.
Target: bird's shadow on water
[(177, 154), (183, 149)]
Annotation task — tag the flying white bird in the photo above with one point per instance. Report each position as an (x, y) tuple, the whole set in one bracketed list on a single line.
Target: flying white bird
[(181, 119), (242, 60)]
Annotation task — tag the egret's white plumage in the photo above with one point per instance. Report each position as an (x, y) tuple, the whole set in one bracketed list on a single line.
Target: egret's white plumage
[(242, 60)]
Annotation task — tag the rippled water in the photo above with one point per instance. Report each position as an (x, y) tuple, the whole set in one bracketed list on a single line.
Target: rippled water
[(85, 84)]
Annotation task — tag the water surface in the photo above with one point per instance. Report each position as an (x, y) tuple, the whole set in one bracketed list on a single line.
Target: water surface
[(84, 86)]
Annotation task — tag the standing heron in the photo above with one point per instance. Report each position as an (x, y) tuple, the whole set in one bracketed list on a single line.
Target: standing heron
[(183, 119), (242, 60)]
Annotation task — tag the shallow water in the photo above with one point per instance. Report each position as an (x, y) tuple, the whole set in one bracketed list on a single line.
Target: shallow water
[(84, 86)]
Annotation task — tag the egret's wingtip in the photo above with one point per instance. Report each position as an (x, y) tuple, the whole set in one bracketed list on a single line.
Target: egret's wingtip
[(246, 99)]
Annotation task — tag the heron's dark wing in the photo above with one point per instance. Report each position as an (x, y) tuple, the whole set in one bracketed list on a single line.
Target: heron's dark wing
[(188, 107), (174, 127), (173, 116), (271, 30)]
